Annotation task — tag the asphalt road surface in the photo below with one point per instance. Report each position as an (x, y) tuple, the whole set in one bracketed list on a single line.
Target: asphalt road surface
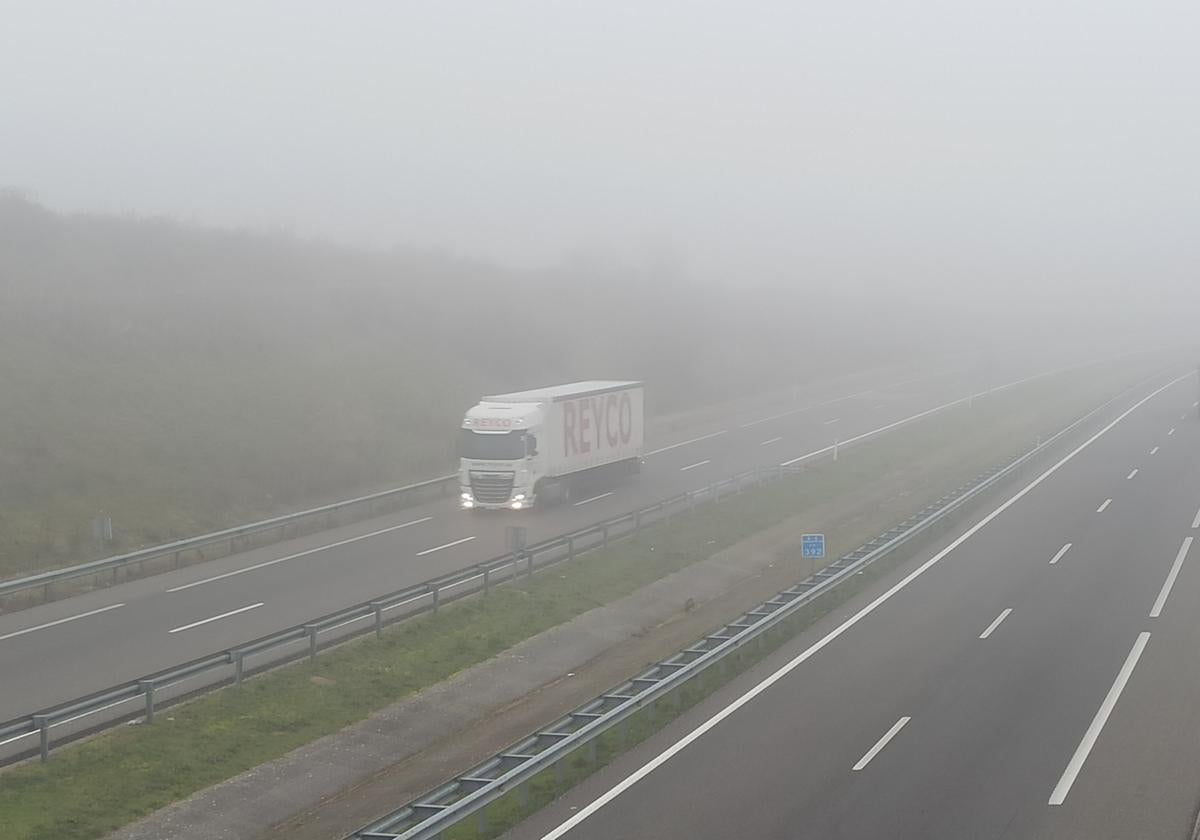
[(58, 651), (1035, 675)]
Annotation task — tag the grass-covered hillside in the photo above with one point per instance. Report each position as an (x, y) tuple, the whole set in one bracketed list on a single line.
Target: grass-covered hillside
[(180, 378)]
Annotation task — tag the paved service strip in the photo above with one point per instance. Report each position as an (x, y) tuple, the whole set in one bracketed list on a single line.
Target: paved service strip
[(1059, 795)]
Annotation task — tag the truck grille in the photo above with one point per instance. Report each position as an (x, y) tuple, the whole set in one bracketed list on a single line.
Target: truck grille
[(491, 488)]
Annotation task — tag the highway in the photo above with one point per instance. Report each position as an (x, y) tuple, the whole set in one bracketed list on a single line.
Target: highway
[(1033, 675), (58, 651)]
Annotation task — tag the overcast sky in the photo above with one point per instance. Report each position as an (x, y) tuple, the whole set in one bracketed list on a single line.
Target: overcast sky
[(1001, 143)]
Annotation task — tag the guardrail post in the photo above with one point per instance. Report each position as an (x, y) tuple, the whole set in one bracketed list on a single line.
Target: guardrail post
[(233, 544), (378, 608), (177, 553), (46, 593), (691, 501), (570, 548), (604, 534), (529, 562), (436, 591), (487, 580), (312, 642), (147, 688), (836, 447), (483, 822), (238, 669), (637, 521), (42, 722), (716, 491), (523, 796)]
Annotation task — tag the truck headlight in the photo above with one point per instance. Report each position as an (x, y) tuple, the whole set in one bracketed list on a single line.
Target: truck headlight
[(518, 505), (520, 497), (467, 496)]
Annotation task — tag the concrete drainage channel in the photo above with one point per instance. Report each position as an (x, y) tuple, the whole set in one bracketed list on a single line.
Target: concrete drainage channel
[(514, 783)]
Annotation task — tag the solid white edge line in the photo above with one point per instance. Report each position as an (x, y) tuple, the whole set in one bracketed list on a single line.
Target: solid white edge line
[(49, 624), (686, 442), (693, 466), (881, 743), (447, 545), (1063, 787), (1132, 473), (1196, 521), (991, 627), (1104, 506), (1061, 552), (299, 554), (592, 499), (216, 617), (673, 750), (1165, 592)]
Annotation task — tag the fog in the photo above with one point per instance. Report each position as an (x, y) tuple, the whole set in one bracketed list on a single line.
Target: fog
[(991, 152), (242, 244)]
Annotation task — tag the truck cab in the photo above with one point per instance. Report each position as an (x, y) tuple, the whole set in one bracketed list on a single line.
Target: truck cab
[(500, 461)]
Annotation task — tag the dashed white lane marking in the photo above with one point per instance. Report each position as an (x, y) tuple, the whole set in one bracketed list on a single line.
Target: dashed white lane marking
[(299, 554), (1165, 593), (444, 546), (16, 633), (216, 618), (592, 499), (881, 743), (1061, 552), (992, 627)]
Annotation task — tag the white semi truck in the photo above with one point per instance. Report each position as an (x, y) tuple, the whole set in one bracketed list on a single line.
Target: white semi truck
[(536, 447)]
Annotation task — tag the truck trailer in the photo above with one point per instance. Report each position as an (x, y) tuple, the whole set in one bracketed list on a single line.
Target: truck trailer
[(539, 446)]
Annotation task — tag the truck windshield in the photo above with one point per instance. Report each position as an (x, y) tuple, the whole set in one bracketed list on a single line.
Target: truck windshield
[(508, 446)]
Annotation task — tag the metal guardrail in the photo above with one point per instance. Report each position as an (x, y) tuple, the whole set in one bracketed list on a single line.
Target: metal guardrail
[(229, 535), (470, 793), (308, 638)]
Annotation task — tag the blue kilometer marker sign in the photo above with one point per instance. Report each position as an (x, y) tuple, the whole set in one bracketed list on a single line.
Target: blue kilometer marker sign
[(812, 545)]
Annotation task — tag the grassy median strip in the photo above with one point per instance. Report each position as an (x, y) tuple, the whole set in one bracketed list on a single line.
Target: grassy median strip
[(96, 786)]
